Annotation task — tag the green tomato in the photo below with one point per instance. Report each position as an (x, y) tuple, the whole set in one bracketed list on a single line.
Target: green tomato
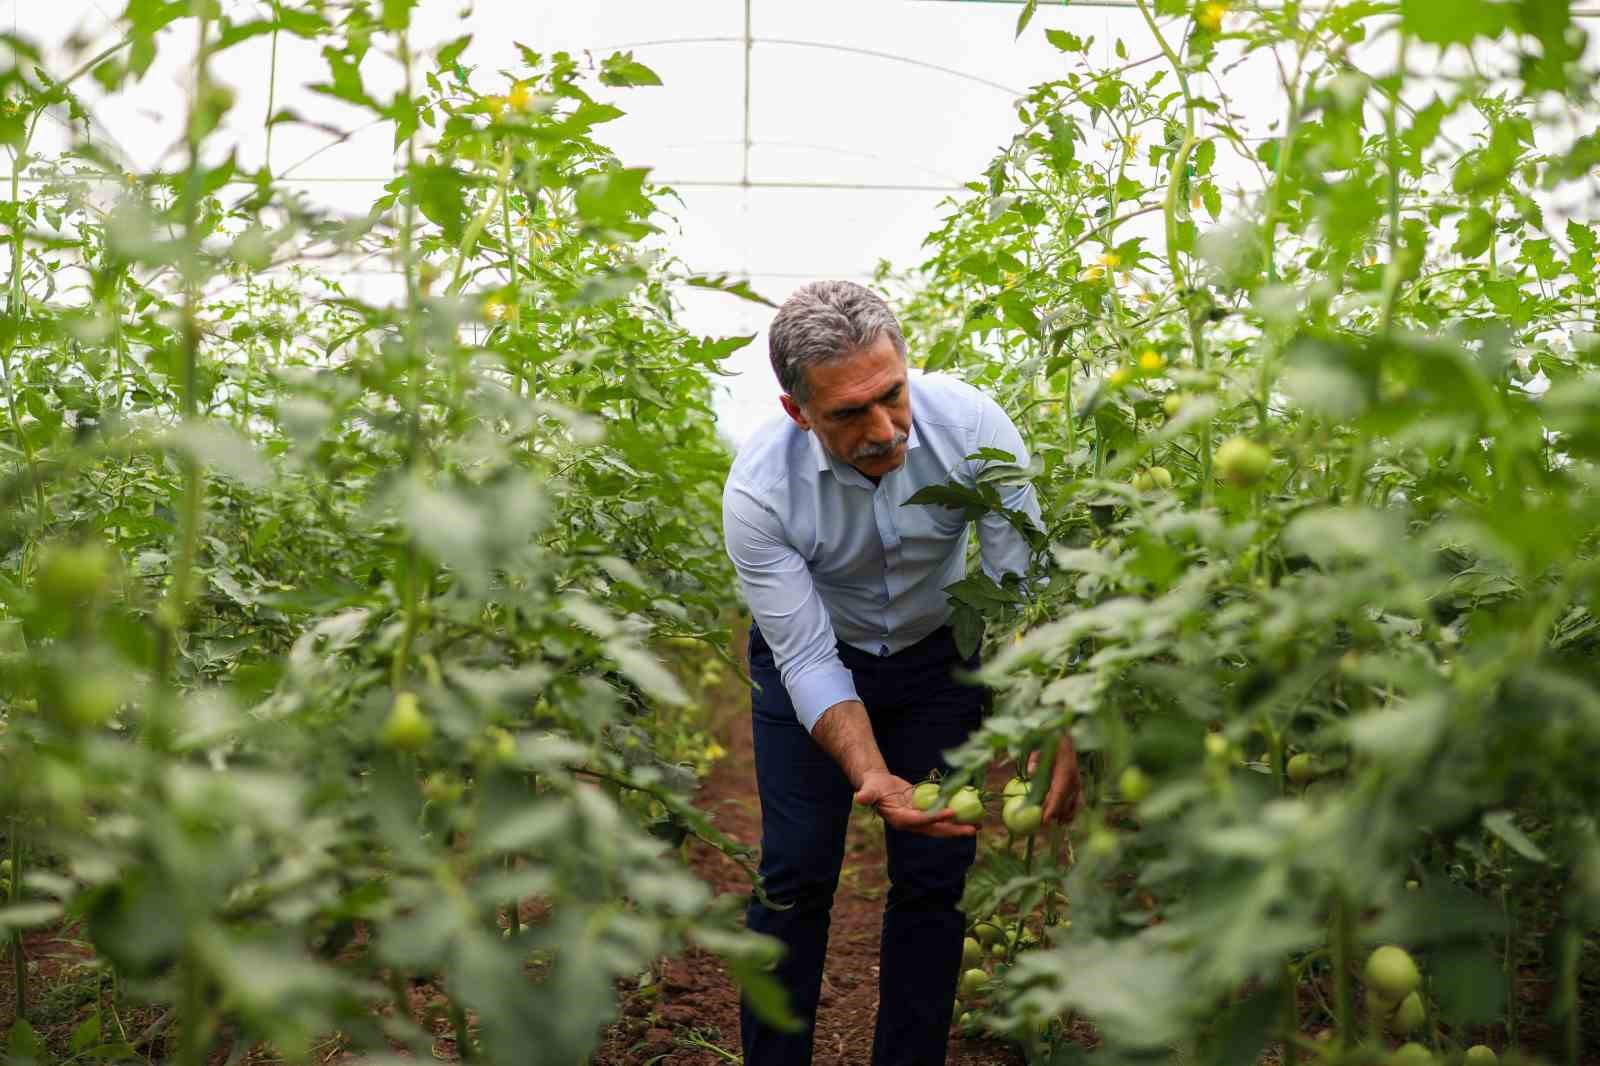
[(1021, 817), (986, 932), (1391, 973), (968, 805), (406, 728), (1408, 1016), (998, 950), (925, 797), (441, 787), (73, 572), (974, 982), (504, 745), (1134, 784), (1301, 768), (1015, 787), (1172, 403), (1241, 461), (971, 953), (1480, 1055), (90, 698), (1057, 931), (1411, 1054), (1217, 745), (1102, 842)]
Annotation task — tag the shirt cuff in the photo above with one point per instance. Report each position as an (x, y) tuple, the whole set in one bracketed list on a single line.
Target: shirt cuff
[(818, 689)]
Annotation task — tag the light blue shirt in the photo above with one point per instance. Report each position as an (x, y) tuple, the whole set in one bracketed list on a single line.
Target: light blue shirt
[(824, 555)]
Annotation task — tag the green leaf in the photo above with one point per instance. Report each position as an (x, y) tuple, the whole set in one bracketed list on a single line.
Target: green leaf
[(974, 504), (1026, 16), (723, 283), (1474, 233), (86, 1033), (646, 671), (1455, 22), (220, 448), (397, 13), (451, 51), (614, 196), (346, 83), (441, 197), (967, 626), (24, 1045), (622, 69), (1503, 825), (28, 915), (1064, 41)]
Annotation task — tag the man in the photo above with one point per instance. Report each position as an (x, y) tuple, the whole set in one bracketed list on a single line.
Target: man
[(852, 656)]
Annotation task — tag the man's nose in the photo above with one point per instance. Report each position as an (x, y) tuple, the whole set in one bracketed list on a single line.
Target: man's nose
[(881, 430)]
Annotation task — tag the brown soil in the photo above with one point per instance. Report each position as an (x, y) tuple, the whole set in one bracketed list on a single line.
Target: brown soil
[(697, 1003)]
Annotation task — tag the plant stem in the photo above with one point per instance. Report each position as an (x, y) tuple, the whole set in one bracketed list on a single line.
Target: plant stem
[(412, 604), (1343, 993), (458, 1022), (1392, 281), (19, 950), (1569, 994), (1291, 1015), (173, 612), (19, 160), (1180, 163)]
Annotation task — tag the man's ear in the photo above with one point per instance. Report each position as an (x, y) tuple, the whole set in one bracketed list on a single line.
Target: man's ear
[(792, 407)]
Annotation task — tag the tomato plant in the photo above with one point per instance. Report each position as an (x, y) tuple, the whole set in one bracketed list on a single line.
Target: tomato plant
[(1357, 336), (333, 625)]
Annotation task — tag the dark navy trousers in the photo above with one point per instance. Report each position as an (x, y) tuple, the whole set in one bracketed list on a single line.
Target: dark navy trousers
[(918, 711)]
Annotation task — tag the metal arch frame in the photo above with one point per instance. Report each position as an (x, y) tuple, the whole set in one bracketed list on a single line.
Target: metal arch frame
[(796, 43)]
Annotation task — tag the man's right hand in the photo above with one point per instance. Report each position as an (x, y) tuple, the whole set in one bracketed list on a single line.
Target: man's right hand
[(891, 796)]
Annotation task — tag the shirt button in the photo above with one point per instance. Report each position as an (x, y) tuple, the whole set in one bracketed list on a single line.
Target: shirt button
[(883, 649)]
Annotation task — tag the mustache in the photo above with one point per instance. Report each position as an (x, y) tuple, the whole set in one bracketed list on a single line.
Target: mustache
[(878, 451)]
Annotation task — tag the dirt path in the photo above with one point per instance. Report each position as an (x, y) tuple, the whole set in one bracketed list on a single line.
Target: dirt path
[(696, 1004)]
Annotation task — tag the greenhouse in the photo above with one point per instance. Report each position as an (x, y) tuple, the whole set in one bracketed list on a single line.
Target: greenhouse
[(971, 531)]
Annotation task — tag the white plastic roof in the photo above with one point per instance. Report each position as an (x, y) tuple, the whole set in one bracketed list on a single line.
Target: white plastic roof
[(863, 116)]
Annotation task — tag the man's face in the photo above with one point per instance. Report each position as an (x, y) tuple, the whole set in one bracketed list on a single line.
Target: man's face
[(859, 408)]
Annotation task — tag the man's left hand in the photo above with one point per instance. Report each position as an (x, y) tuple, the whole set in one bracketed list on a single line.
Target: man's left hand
[(1065, 796)]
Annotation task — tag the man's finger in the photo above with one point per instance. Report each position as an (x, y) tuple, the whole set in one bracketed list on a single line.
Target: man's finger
[(947, 829), (930, 824)]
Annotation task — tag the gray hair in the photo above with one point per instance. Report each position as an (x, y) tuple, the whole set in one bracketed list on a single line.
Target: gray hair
[(824, 321)]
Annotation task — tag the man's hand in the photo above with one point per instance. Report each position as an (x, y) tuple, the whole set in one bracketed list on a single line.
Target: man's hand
[(891, 796), (1065, 796)]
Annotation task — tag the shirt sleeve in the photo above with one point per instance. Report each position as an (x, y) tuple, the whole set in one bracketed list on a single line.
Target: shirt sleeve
[(1002, 548), (786, 606)]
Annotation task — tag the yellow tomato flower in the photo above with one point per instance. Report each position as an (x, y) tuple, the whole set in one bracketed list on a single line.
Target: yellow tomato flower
[(496, 105), (1151, 360), (715, 751), (1209, 14), (1094, 273), (1146, 298), (498, 307), (1111, 260), (519, 98)]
